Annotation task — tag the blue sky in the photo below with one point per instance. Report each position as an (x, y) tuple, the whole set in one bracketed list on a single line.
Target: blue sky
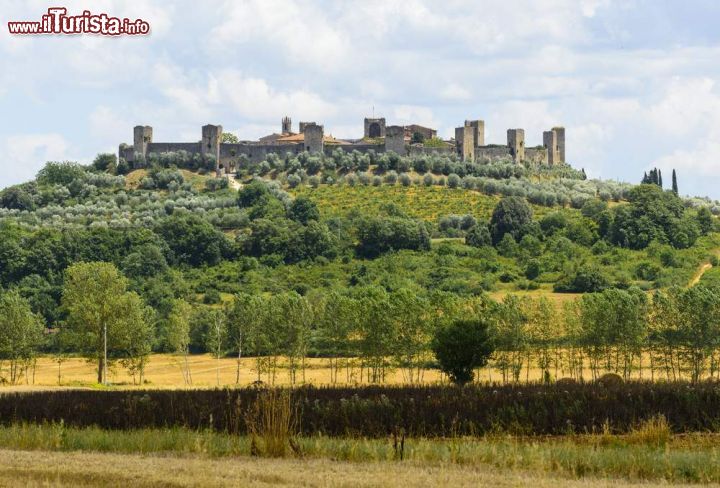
[(635, 83)]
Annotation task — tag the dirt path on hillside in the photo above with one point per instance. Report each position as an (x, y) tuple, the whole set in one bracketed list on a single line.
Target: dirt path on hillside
[(234, 184), (701, 271)]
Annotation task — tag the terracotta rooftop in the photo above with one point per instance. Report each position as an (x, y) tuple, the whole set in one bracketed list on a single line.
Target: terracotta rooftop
[(294, 138)]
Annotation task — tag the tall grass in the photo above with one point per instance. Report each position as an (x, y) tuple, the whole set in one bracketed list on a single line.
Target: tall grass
[(273, 419)]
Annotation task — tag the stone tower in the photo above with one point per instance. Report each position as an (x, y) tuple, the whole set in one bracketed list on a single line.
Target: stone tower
[(478, 132), (551, 147), (374, 128), (286, 125), (395, 139), (314, 134), (210, 142), (142, 136), (560, 141), (516, 144), (468, 142)]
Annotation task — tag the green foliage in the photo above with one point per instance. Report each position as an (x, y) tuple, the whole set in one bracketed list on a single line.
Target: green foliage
[(251, 193), (380, 235), (193, 240), (653, 214), (462, 347), (16, 198), (98, 306), (478, 236), (512, 215), (65, 173), (21, 333), (106, 162), (229, 138), (303, 210), (583, 281)]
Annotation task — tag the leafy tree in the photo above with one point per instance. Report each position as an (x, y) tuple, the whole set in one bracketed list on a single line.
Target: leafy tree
[(545, 333), (511, 215), (251, 193), (16, 198), (462, 347), (336, 319), (244, 317), (653, 214), (21, 333), (303, 210), (100, 312), (145, 260), (478, 236), (512, 336), (311, 241), (178, 334), (268, 237), (698, 332), (54, 173), (377, 236), (413, 332), (192, 239), (614, 329), (294, 319), (216, 338), (585, 280), (674, 182), (136, 334), (105, 162), (229, 138), (376, 335), (705, 220)]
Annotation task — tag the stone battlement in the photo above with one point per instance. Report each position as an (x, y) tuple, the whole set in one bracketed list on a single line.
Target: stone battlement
[(469, 144)]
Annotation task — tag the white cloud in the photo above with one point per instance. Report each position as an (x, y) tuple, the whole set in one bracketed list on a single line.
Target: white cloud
[(24, 154), (454, 91)]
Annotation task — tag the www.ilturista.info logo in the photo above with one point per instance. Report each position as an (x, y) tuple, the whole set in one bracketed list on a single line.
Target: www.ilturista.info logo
[(56, 21)]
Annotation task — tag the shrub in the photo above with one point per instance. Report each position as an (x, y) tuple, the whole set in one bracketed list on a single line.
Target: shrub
[(478, 236), (293, 180), (462, 347), (391, 177), (453, 180)]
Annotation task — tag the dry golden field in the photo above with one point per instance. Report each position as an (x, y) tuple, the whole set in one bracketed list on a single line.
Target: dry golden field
[(164, 371), (77, 469)]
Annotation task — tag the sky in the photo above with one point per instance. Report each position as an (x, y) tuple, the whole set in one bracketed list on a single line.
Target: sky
[(635, 82)]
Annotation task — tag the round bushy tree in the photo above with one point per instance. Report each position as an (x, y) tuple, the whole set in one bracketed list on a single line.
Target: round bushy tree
[(462, 347), (303, 210), (478, 236), (512, 215)]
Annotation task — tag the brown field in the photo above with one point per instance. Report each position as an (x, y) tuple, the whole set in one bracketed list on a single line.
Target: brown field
[(42, 468)]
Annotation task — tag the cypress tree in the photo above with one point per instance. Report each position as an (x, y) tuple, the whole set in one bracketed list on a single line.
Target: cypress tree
[(674, 182), (660, 179)]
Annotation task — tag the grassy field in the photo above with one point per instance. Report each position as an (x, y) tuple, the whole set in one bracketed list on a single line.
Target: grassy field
[(58, 455), (79, 469)]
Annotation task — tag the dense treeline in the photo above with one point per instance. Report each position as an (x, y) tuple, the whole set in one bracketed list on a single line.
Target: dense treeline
[(418, 411)]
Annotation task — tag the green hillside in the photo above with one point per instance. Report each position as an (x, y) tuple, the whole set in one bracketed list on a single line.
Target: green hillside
[(341, 223)]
